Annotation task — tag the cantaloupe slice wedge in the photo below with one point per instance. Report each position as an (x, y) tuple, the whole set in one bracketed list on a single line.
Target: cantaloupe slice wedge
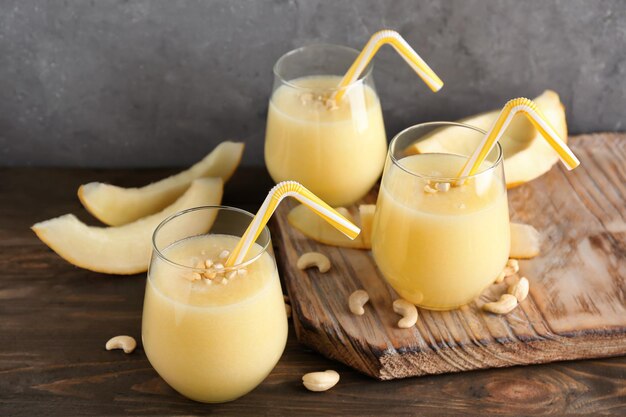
[(122, 249), (525, 239), (316, 228), (115, 206), (527, 155), (366, 221)]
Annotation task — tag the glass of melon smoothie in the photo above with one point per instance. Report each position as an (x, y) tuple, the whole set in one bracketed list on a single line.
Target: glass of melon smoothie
[(439, 240), (335, 149), (212, 333)]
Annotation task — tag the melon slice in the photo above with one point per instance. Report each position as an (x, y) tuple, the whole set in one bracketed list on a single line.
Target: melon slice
[(123, 249), (525, 241), (366, 218), (527, 155), (316, 228), (115, 206)]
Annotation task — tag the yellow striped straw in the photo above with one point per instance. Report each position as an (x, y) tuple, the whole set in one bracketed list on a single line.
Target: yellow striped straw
[(273, 199), (510, 109), (401, 46)]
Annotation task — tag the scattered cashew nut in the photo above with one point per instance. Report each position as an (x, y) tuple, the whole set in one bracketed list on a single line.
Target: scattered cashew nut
[(320, 381), (357, 300), (311, 259), (513, 264), (127, 343), (193, 277), (508, 271), (511, 268), (408, 311), (443, 186), (504, 305), (519, 290)]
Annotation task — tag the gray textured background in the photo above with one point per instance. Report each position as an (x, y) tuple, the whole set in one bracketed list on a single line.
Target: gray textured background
[(159, 82)]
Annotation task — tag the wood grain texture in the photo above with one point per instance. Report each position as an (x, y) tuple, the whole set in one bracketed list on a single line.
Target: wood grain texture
[(577, 303), (55, 320)]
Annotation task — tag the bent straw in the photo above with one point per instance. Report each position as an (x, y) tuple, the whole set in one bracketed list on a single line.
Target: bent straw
[(401, 46), (510, 109), (273, 199)]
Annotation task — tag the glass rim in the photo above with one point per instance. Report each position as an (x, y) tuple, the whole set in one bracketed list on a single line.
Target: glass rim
[(397, 162), (366, 73), (214, 207)]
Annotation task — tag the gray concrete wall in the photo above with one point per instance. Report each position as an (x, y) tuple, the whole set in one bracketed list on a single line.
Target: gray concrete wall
[(113, 83)]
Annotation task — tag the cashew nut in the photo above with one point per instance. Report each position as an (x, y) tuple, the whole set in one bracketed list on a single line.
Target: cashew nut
[(127, 343), (288, 310), (513, 264), (520, 289), (193, 277), (320, 381), (443, 186), (311, 259), (408, 311), (504, 305), (511, 268), (357, 300), (306, 98)]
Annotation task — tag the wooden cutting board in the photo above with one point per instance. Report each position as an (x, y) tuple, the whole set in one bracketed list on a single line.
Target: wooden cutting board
[(577, 303)]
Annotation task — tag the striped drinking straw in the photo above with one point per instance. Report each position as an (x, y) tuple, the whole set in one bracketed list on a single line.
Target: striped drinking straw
[(276, 195), (530, 110), (401, 46)]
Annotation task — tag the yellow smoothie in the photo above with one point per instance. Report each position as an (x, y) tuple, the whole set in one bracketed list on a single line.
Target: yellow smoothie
[(440, 249), (213, 341), (337, 150)]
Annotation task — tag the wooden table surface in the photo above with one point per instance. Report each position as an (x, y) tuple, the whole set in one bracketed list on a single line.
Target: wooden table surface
[(55, 320)]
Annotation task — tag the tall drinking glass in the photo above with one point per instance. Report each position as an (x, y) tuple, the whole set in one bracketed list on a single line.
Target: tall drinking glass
[(440, 240), (212, 333), (335, 149)]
